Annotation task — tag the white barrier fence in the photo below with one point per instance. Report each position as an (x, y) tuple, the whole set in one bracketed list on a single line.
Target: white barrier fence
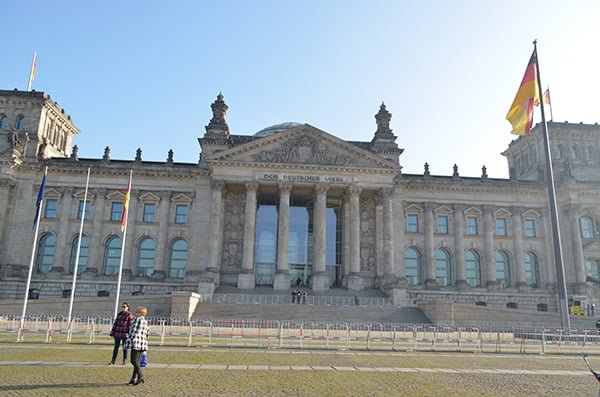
[(312, 335)]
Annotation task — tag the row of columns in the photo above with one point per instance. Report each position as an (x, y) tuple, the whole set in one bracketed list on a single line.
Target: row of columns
[(319, 280)]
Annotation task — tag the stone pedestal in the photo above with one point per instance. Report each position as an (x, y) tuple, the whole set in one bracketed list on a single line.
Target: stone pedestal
[(282, 281), (355, 283), (183, 304), (524, 287), (431, 283), (462, 285), (246, 280), (320, 282), (206, 288), (399, 295)]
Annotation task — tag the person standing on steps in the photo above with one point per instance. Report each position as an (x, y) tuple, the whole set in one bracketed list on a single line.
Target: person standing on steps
[(137, 341), (119, 332)]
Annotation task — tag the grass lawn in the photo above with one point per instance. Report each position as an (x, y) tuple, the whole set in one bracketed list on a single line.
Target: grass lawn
[(280, 380)]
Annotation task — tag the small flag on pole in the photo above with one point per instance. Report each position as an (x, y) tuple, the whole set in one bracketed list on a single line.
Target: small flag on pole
[(125, 207), (32, 72), (520, 114), (547, 96), (38, 203)]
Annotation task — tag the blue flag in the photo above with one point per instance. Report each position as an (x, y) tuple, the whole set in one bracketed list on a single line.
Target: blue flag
[(40, 198)]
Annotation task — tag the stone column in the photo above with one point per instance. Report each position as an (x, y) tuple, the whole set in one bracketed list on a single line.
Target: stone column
[(6, 191), (160, 266), (459, 247), (577, 251), (282, 277), (389, 277), (246, 279), (428, 254), (519, 256), (63, 246), (355, 281), (320, 281), (96, 250), (216, 231), (488, 247)]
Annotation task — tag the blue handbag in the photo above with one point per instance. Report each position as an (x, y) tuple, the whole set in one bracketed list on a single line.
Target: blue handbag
[(144, 360)]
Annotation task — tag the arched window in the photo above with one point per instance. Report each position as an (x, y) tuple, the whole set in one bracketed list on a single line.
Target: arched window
[(532, 273), (412, 266), (145, 262), (3, 121), (112, 256), (45, 254), (83, 254), (20, 124), (473, 268), (502, 269), (442, 267), (178, 258)]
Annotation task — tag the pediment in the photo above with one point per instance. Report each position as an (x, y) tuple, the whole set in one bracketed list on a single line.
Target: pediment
[(592, 249), (303, 145)]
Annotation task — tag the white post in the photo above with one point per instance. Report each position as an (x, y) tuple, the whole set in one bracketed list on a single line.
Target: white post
[(124, 222), (40, 201), (69, 325)]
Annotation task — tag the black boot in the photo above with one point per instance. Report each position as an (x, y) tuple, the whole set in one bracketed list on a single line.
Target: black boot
[(137, 382)]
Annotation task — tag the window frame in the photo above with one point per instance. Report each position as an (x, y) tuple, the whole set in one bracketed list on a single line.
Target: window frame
[(412, 227), (178, 215), (50, 208), (149, 216), (442, 224), (501, 227), (472, 230), (116, 211), (530, 228)]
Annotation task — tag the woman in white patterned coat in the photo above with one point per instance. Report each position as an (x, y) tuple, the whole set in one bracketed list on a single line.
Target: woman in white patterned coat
[(137, 341)]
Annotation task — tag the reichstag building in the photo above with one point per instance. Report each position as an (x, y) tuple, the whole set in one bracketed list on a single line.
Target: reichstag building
[(294, 205)]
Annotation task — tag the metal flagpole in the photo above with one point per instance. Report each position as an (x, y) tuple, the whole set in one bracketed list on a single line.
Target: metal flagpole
[(69, 324), (32, 71), (126, 211), (35, 236), (558, 256)]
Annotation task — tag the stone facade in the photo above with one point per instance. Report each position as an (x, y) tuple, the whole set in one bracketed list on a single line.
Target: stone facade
[(294, 206)]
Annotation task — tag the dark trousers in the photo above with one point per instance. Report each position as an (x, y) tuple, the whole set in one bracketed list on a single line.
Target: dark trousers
[(119, 342), (136, 356)]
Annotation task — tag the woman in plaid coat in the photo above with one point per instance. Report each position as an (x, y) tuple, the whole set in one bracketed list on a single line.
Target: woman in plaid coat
[(137, 341), (119, 332)]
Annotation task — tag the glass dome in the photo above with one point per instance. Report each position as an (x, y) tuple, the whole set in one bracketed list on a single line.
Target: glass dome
[(275, 129)]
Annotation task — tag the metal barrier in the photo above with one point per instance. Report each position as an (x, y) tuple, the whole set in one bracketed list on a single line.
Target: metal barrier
[(274, 334)]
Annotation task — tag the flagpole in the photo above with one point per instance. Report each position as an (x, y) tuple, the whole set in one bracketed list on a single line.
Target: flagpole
[(126, 211), (69, 325), (28, 284), (558, 256), (32, 71)]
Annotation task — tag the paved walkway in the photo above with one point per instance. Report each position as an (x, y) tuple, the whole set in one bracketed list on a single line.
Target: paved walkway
[(300, 368)]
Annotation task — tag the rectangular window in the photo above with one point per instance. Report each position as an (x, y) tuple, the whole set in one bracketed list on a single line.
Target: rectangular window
[(149, 211), (501, 227), (412, 223), (116, 211), (442, 224), (50, 208), (472, 227), (181, 213), (88, 209), (530, 228)]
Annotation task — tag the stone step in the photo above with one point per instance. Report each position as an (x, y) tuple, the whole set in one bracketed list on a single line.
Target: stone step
[(307, 312)]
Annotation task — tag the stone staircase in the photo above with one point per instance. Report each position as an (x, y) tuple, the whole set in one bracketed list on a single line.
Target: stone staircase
[(334, 306)]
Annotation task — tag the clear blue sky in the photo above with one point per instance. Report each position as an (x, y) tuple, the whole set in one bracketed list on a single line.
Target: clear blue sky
[(144, 73)]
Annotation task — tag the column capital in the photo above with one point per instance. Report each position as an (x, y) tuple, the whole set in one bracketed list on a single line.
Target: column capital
[(217, 184), (285, 188), (353, 190), (164, 195), (251, 186), (428, 206), (572, 209), (387, 192), (321, 189), (100, 192), (487, 209)]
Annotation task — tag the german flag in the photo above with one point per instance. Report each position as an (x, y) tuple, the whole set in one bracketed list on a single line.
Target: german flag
[(125, 207), (520, 114)]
